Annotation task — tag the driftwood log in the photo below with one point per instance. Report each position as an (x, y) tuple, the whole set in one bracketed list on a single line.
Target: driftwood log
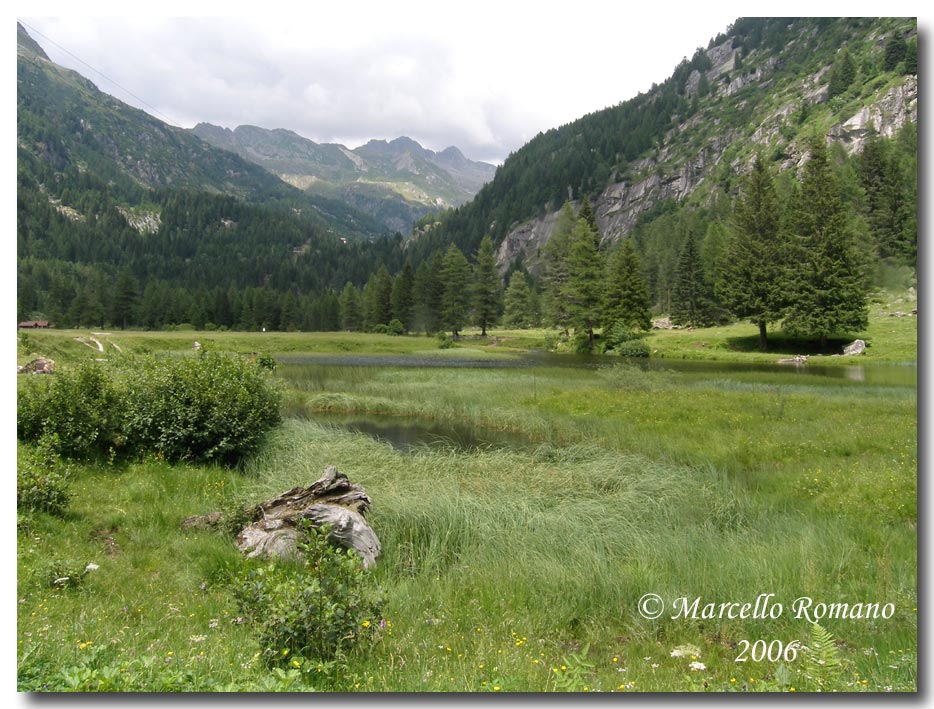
[(331, 500)]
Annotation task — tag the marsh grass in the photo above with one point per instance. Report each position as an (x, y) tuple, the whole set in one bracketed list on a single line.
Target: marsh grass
[(514, 570)]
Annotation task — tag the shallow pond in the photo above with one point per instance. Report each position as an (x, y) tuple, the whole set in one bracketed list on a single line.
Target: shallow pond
[(900, 375), (409, 434)]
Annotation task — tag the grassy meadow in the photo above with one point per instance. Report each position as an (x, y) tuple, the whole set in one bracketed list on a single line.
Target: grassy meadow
[(512, 569)]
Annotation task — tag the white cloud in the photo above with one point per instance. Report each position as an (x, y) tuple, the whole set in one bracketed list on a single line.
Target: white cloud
[(485, 76)]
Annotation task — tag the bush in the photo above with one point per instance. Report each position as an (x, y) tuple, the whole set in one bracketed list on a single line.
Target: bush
[(207, 407), (444, 341), (267, 362), (316, 606), (42, 479), (77, 409), (633, 348)]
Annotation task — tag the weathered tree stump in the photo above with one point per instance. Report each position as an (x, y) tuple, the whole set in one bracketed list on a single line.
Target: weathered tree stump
[(331, 500)]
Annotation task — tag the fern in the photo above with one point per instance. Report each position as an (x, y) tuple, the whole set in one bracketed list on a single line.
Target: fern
[(823, 661)]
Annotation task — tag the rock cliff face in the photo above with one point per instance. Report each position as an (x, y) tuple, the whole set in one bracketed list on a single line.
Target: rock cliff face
[(675, 173)]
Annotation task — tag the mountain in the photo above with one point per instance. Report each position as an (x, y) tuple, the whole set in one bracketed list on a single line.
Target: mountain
[(765, 84), (123, 219), (397, 182), (107, 194), (64, 120)]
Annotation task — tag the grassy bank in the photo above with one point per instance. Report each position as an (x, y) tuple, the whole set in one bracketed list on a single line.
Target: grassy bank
[(890, 339), (509, 570), (518, 571)]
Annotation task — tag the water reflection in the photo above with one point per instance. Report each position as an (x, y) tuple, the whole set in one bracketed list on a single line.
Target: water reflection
[(876, 374)]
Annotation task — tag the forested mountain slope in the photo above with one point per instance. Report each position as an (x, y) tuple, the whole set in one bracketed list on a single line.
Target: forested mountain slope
[(123, 219), (766, 84), (65, 123)]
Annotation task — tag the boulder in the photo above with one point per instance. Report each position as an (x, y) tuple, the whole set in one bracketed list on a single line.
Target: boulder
[(331, 500), (855, 347), (40, 365)]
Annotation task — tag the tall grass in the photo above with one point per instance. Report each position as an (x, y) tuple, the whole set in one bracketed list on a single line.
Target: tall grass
[(520, 570)]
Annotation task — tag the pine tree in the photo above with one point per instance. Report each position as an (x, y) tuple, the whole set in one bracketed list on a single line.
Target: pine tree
[(690, 294), (586, 213), (895, 50), (626, 297), (555, 267), (842, 74), (377, 299), (455, 302), (519, 310), (402, 298), (582, 292), (753, 270), (827, 284), (488, 289), (351, 316), (125, 298), (911, 57)]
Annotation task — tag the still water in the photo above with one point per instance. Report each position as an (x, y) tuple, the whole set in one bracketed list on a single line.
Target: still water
[(408, 435)]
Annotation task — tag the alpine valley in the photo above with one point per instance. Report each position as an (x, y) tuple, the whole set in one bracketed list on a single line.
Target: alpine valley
[(123, 219)]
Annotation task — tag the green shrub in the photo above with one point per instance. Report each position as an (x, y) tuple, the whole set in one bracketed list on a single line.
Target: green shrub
[(316, 606), (444, 341), (633, 348), (77, 408), (206, 407), (42, 479), (395, 327), (267, 362)]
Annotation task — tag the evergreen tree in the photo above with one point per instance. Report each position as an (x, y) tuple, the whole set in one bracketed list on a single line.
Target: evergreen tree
[(555, 267), (690, 294), (124, 300), (583, 290), (402, 298), (488, 289), (377, 299), (752, 279), (626, 297), (586, 213), (519, 308), (455, 302), (911, 57), (351, 315), (842, 73), (895, 50), (890, 199), (290, 315), (827, 284)]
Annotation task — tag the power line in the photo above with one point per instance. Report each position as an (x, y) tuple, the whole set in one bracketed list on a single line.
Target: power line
[(98, 71)]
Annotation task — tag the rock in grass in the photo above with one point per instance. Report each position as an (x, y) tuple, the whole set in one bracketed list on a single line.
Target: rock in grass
[(40, 365), (855, 347), (331, 500)]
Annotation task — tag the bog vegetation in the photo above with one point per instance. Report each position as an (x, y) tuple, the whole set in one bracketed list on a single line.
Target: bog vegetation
[(513, 569)]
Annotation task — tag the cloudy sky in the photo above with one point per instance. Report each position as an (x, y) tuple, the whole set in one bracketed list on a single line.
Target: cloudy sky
[(485, 76)]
